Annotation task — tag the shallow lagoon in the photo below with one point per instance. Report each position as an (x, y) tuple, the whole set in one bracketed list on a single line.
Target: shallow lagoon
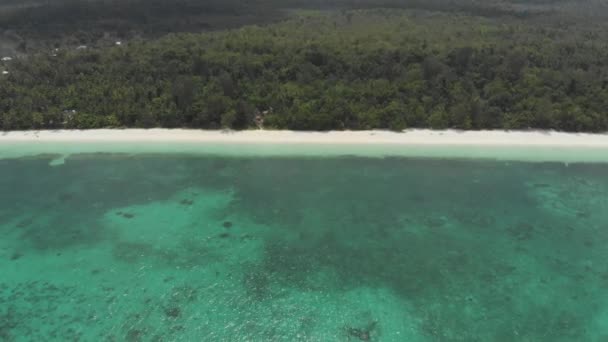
[(171, 247)]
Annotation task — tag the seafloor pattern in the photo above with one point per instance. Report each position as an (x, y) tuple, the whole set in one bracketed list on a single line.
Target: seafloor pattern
[(177, 248)]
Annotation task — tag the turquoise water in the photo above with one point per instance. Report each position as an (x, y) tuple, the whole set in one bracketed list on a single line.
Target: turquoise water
[(144, 247)]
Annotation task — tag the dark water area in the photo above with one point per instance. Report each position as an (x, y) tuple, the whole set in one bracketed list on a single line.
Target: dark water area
[(111, 247)]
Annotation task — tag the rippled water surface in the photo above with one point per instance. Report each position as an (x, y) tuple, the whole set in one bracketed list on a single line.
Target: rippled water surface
[(174, 248)]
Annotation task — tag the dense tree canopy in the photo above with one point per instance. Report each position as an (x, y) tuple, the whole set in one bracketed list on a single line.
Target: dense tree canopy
[(345, 69), (33, 25), (64, 23)]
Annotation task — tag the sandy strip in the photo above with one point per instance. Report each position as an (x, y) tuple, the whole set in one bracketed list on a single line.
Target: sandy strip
[(514, 145), (409, 137)]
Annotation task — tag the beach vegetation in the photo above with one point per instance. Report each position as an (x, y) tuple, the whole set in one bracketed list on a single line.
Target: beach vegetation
[(354, 66)]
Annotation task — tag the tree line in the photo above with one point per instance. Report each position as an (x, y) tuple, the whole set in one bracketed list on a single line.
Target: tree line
[(359, 69)]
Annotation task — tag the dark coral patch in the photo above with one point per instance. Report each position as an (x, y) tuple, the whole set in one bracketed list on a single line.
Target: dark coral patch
[(128, 215), (173, 312), (135, 335), (186, 202), (125, 215), (361, 334)]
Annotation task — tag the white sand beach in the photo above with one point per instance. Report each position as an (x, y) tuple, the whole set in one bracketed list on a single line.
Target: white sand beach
[(508, 145), (408, 137)]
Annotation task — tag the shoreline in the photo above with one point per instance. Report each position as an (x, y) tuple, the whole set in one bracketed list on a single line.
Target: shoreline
[(502, 145), (407, 137)]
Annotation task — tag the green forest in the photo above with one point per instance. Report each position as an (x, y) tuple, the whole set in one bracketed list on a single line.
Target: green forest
[(312, 67)]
